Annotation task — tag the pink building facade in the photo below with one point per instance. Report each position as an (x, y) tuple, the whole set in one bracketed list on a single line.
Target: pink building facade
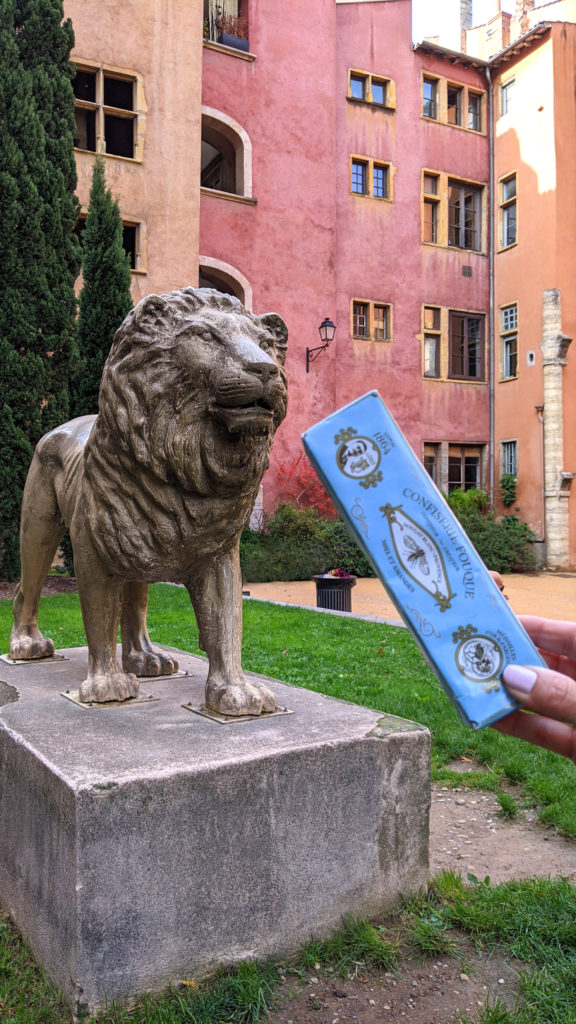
[(356, 188)]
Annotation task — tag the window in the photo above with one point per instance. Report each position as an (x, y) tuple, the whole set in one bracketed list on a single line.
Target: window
[(454, 96), (452, 212), (360, 320), (380, 181), (370, 178), (430, 97), (452, 103), (360, 177), (358, 86), (466, 340), (508, 234), (130, 243), (464, 467), (105, 111), (133, 240), (432, 341), (225, 156), (364, 87), (378, 91), (381, 330), (474, 111), (509, 457), (509, 341), (430, 208), (464, 215), (506, 96), (431, 460), (371, 320)]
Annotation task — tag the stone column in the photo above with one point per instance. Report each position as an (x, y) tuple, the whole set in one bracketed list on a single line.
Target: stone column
[(557, 482)]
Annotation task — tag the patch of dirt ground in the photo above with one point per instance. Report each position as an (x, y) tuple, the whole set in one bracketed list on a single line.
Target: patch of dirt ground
[(467, 835), (423, 992), (53, 585)]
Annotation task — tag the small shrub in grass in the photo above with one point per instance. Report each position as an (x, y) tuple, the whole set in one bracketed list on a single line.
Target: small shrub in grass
[(508, 808), (498, 1013), (245, 996), (429, 936), (357, 942)]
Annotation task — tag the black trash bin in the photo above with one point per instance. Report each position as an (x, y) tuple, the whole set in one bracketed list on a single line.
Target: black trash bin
[(334, 592)]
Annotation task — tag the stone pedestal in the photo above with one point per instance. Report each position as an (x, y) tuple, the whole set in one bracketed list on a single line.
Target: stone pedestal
[(143, 844)]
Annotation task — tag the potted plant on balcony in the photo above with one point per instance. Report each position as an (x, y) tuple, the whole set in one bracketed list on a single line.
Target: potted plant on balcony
[(233, 31)]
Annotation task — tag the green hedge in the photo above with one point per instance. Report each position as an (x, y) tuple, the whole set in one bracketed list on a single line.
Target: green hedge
[(299, 542), (296, 544)]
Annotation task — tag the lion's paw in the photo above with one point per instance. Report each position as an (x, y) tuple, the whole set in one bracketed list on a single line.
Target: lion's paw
[(235, 699), (116, 686), (28, 648), (149, 663)]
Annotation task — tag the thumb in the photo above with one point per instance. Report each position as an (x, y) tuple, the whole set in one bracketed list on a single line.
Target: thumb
[(542, 690)]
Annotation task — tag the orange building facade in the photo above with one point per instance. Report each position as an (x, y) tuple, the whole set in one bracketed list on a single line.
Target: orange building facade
[(535, 299)]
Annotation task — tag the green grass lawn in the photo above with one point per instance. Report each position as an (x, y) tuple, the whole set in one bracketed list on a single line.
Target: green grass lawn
[(531, 920), (378, 666), (371, 664)]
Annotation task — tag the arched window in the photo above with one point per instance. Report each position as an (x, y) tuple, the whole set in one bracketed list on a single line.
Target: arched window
[(226, 154), (213, 273)]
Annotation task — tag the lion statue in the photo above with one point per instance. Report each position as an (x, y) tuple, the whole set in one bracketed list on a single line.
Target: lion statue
[(158, 487)]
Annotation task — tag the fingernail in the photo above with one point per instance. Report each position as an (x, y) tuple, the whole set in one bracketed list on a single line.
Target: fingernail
[(519, 678)]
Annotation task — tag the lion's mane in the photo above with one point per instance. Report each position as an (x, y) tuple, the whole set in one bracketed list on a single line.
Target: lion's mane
[(162, 474)]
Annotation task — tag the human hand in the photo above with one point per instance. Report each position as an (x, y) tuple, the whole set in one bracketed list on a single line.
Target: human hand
[(548, 692)]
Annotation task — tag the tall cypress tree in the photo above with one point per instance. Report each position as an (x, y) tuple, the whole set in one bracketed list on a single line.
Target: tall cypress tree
[(105, 297), (44, 43), (36, 304)]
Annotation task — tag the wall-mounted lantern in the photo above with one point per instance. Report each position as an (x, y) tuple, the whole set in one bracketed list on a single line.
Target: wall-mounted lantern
[(326, 331)]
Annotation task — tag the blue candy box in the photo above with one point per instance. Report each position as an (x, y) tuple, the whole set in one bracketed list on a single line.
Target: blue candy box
[(431, 571)]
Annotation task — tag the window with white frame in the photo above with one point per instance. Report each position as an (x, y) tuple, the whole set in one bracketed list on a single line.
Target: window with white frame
[(509, 341), (432, 340), (508, 211), (474, 111), (509, 457), (506, 95)]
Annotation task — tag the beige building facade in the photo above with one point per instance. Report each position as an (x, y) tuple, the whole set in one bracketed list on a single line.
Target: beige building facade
[(138, 102)]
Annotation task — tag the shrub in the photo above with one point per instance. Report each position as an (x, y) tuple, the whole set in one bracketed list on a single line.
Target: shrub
[(296, 544), (505, 545), (507, 489), (465, 501), (300, 485)]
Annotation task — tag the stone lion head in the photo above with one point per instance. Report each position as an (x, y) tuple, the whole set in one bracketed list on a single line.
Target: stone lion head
[(192, 393), (195, 386)]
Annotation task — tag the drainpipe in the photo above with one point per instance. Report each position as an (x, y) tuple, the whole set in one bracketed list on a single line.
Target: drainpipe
[(492, 362)]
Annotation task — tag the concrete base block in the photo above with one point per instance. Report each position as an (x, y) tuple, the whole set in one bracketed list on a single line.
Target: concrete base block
[(143, 844)]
